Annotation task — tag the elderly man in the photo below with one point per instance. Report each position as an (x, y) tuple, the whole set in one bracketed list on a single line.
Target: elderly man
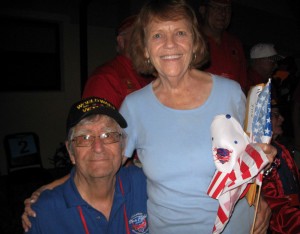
[(227, 57), (263, 62), (100, 196)]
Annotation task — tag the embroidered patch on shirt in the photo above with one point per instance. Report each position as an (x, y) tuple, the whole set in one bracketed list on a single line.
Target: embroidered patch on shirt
[(138, 223)]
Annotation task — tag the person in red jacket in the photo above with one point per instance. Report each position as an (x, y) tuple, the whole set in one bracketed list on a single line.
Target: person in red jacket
[(117, 78), (227, 57), (281, 184)]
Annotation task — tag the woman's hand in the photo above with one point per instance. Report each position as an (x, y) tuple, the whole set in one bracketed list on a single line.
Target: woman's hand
[(28, 211), (269, 150), (34, 197)]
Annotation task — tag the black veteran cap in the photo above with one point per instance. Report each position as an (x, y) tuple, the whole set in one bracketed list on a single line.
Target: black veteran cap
[(91, 106)]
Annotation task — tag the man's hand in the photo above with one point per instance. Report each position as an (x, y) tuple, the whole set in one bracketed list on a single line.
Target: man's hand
[(263, 217)]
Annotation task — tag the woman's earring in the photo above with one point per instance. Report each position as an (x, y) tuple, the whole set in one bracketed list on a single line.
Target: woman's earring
[(194, 56), (148, 61)]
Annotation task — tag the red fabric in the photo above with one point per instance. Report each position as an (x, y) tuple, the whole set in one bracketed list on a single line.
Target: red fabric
[(228, 59), (248, 164), (114, 81), (285, 218)]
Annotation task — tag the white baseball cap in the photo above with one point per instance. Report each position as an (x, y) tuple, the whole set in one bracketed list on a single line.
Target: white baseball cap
[(262, 50)]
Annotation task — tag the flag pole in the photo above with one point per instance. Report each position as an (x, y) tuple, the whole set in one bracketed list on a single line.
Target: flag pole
[(256, 209), (263, 139)]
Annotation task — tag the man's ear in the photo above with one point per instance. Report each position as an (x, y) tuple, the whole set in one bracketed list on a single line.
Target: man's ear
[(71, 156), (120, 41)]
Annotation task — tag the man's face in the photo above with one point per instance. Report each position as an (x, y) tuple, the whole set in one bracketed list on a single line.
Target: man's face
[(218, 16), (100, 159), (277, 121), (124, 39), (268, 66)]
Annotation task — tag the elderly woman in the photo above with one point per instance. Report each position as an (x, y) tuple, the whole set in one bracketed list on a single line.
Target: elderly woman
[(169, 120), (281, 185)]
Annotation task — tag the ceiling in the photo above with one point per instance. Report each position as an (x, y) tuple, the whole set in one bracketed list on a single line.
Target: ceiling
[(252, 21), (105, 12)]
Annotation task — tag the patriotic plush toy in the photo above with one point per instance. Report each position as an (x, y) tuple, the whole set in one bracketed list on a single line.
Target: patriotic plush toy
[(237, 161)]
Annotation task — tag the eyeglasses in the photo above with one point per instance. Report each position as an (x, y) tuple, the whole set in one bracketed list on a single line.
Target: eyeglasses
[(88, 140), (215, 8)]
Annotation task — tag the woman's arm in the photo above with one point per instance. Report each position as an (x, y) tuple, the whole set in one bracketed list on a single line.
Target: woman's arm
[(34, 197)]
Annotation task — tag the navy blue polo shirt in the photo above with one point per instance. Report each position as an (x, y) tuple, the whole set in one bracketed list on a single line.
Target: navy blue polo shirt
[(57, 210)]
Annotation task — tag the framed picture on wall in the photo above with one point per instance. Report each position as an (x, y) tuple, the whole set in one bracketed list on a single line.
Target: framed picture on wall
[(30, 55)]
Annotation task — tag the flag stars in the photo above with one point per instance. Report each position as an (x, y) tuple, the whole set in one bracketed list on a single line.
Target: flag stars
[(267, 132), (261, 125), (259, 105)]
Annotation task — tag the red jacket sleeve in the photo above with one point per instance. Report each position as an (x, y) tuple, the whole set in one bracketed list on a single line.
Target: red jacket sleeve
[(285, 217)]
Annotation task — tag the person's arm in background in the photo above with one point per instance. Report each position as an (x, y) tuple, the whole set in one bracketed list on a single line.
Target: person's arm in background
[(34, 197)]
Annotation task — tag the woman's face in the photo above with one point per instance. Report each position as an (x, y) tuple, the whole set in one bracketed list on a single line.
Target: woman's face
[(277, 121), (169, 45)]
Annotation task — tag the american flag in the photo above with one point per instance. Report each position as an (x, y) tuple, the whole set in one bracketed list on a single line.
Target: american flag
[(261, 124), (261, 132)]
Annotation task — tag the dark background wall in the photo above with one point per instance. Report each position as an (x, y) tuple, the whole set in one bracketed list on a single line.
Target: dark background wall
[(81, 49)]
